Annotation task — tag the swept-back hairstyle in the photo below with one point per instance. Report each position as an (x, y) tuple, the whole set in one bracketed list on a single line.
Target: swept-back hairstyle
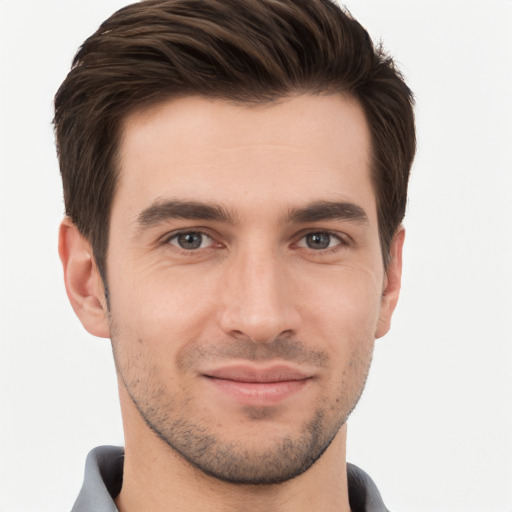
[(242, 50)]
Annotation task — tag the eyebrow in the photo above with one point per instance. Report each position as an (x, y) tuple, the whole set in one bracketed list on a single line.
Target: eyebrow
[(161, 211), (328, 210)]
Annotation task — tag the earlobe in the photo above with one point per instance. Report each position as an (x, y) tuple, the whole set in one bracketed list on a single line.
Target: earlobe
[(82, 279), (392, 283)]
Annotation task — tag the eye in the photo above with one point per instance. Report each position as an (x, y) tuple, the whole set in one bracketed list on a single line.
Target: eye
[(190, 240), (319, 240)]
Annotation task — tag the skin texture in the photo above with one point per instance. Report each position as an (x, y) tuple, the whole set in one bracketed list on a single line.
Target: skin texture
[(243, 239)]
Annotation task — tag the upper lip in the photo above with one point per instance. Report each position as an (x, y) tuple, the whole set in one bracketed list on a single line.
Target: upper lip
[(246, 373)]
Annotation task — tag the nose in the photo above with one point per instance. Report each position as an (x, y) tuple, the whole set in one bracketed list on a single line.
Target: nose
[(257, 298)]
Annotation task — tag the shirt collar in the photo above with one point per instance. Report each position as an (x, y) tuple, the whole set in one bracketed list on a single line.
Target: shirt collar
[(104, 478)]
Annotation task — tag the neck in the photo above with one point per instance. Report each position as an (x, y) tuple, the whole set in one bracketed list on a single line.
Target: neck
[(157, 478)]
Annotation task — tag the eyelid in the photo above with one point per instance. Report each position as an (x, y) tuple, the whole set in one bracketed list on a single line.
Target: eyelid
[(180, 231), (209, 240), (168, 237), (343, 241), (343, 238)]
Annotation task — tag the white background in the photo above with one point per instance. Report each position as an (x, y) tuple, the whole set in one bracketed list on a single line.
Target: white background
[(434, 427)]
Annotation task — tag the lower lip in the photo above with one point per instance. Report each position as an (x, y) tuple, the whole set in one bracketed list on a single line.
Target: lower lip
[(258, 393)]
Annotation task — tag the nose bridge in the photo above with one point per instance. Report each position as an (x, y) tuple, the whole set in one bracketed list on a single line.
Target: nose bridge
[(256, 300)]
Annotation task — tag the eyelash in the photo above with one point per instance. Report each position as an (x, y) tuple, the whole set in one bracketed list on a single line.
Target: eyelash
[(342, 241), (168, 239)]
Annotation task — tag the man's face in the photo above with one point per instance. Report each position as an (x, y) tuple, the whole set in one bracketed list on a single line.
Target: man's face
[(245, 278)]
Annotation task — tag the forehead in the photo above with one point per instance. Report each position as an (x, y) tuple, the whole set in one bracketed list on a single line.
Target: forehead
[(298, 149)]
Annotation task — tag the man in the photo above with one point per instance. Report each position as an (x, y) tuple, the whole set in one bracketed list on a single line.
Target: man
[(235, 178)]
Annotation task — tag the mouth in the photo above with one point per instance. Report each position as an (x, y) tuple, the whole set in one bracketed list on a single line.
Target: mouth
[(258, 386)]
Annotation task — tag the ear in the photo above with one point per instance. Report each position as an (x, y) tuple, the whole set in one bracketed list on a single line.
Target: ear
[(83, 281), (392, 283)]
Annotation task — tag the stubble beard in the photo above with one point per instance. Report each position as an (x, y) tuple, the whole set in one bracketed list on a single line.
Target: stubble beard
[(231, 462), (239, 462)]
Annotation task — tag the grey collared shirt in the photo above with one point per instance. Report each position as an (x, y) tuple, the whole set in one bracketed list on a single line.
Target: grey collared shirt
[(104, 478)]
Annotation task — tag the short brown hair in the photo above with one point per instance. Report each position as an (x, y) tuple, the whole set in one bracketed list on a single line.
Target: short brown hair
[(243, 50)]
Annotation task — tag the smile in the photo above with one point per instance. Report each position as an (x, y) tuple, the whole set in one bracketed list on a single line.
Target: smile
[(255, 386)]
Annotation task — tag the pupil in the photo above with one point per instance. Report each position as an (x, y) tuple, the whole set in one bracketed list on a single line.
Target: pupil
[(318, 240), (190, 240)]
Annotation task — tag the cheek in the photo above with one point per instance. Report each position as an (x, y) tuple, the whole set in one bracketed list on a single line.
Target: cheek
[(155, 305), (344, 305), (153, 321), (342, 315)]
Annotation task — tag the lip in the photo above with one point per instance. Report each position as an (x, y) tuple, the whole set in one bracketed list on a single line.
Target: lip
[(246, 373), (258, 386)]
